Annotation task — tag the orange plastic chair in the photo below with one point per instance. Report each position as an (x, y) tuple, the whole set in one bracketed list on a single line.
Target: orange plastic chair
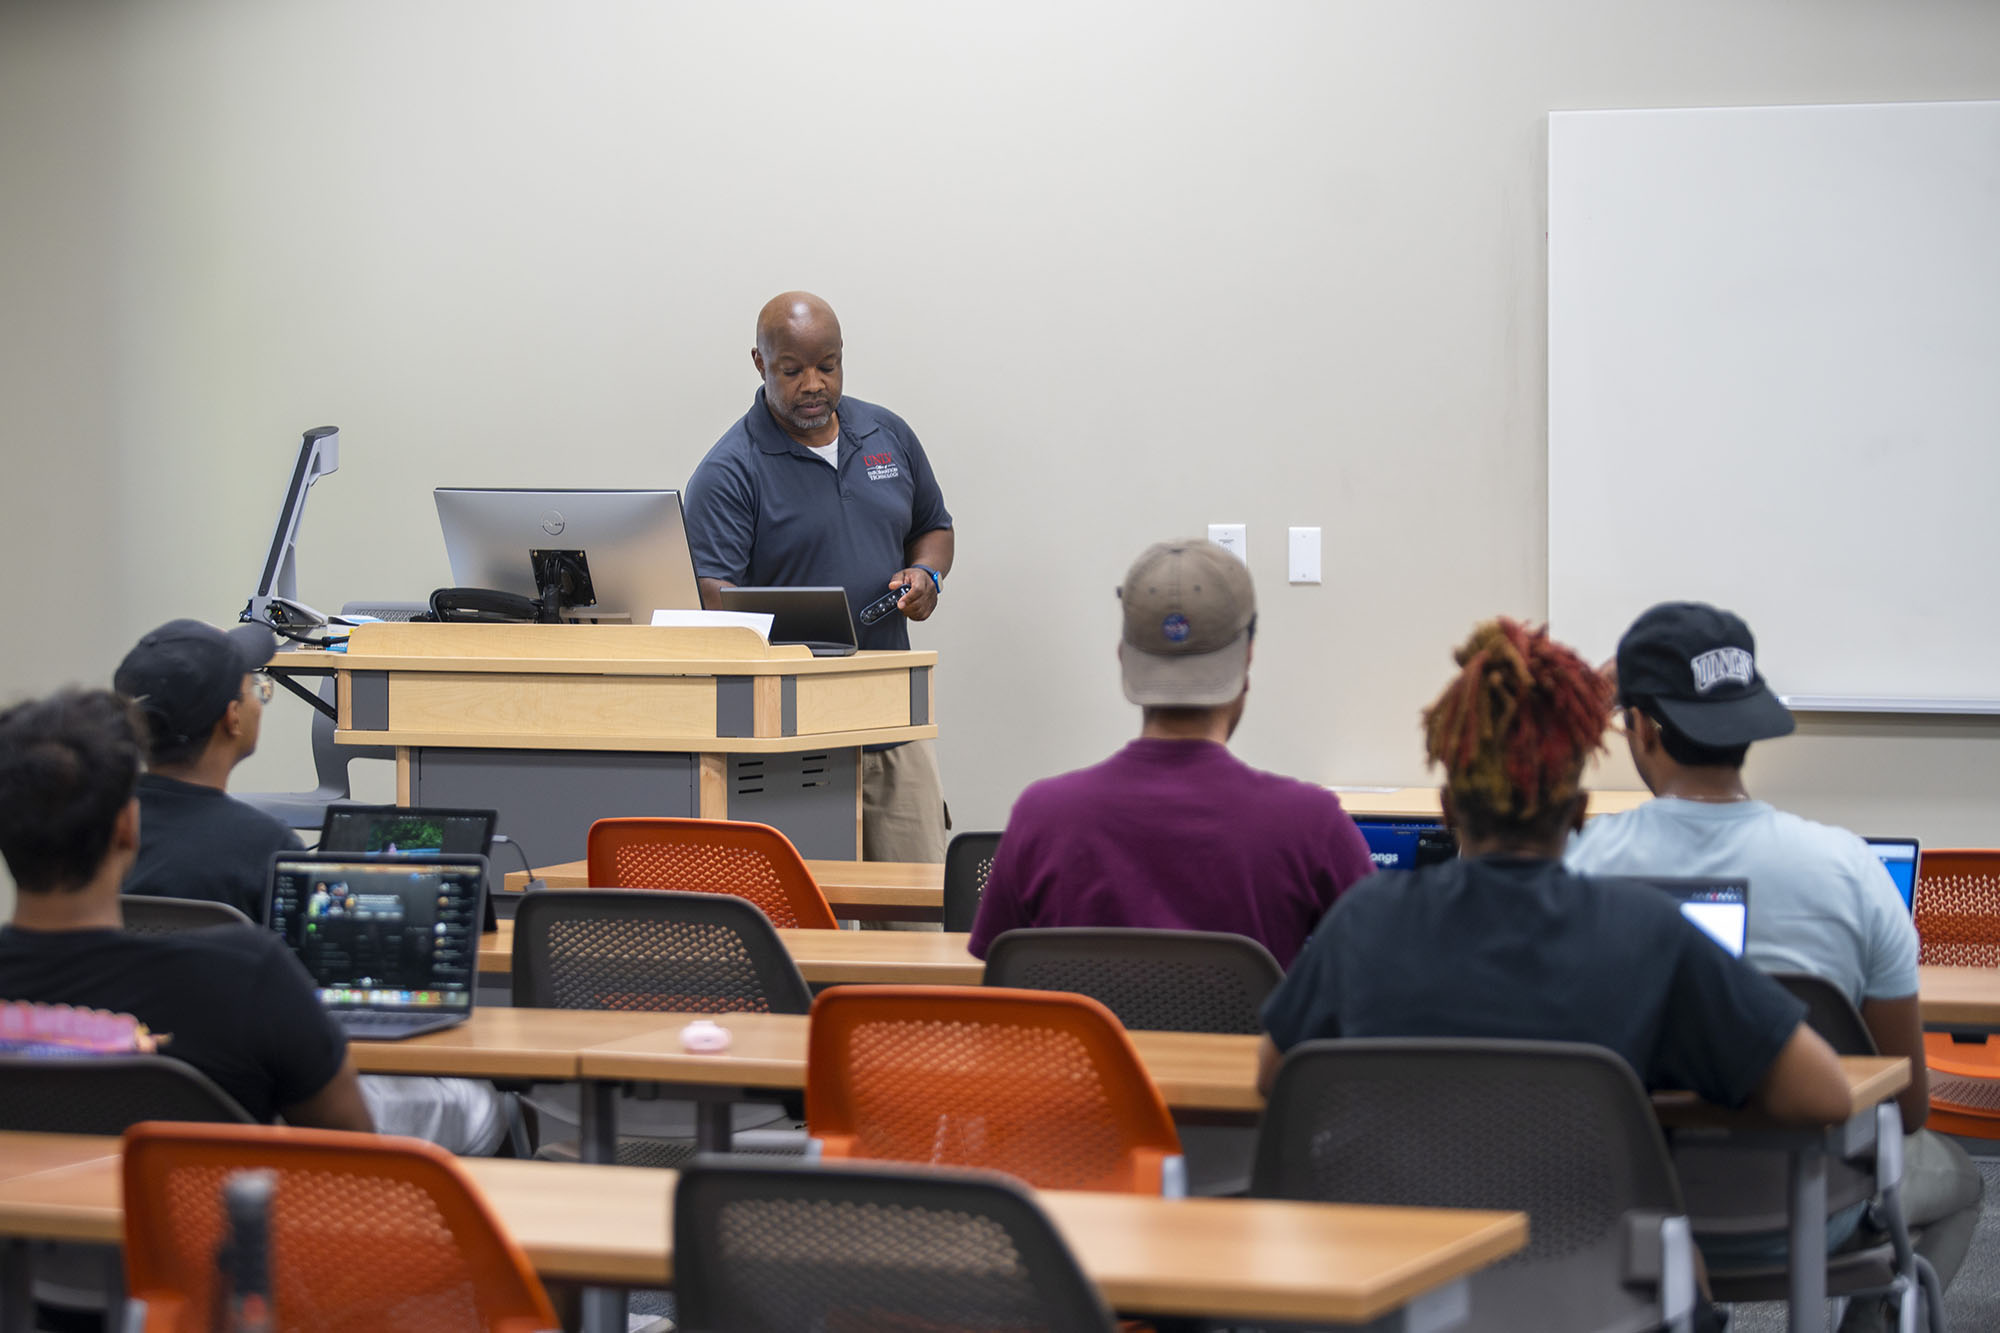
[(731, 856), (1958, 924), (368, 1234), (1043, 1085)]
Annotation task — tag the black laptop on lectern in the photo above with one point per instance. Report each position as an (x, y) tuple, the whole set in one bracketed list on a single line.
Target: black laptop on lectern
[(819, 618)]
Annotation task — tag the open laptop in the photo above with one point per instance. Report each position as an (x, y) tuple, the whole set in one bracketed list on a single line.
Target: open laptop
[(1720, 907), (819, 618), (1899, 858), (377, 829), (391, 941), (1407, 844)]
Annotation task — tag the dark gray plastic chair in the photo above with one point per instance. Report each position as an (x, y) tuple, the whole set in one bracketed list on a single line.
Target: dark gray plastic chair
[(768, 1248), (1154, 980), (968, 860), (107, 1094), (1560, 1131), (1734, 1192), (653, 950), (147, 915)]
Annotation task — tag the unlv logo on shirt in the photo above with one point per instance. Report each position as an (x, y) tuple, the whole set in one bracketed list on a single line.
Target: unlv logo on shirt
[(881, 467)]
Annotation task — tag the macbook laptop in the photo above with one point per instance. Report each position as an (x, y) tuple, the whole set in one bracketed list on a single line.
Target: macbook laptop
[(376, 829), (1721, 907), (819, 618), (1899, 858), (391, 941)]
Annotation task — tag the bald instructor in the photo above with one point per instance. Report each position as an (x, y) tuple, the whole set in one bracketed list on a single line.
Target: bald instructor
[(813, 489)]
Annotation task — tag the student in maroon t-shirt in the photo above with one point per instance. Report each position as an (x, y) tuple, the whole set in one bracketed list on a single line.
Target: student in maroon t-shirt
[(1174, 831)]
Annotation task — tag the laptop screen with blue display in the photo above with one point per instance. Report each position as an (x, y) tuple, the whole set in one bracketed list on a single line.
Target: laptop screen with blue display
[(1899, 858), (1407, 844)]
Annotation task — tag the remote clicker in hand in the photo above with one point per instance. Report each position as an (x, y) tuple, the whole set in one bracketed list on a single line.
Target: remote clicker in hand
[(883, 605)]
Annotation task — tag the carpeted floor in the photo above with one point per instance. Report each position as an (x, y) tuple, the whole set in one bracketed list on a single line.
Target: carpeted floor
[(1972, 1305)]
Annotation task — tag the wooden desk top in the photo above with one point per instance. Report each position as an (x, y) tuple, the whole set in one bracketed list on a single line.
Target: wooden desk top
[(1964, 996), (606, 650), (30, 1154), (1225, 1258), (499, 1042), (914, 957), (1195, 1071), (845, 883), (1422, 802), (1871, 1080)]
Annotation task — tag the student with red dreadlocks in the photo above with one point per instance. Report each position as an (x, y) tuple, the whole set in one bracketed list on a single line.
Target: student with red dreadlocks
[(1504, 942)]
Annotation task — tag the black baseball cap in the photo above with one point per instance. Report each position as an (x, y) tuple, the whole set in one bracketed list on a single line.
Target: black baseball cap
[(1694, 667), (185, 673)]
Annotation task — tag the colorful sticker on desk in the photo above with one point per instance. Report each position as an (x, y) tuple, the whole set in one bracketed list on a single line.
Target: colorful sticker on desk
[(58, 1029)]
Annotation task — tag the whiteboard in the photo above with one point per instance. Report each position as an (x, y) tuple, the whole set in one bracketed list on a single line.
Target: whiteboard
[(1774, 385)]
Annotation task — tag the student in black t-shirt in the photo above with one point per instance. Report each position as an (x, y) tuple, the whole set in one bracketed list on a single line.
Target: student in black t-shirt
[(1503, 942), (231, 1001), (203, 701)]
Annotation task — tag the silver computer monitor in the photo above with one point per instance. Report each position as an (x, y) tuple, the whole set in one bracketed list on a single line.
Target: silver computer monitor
[(632, 545)]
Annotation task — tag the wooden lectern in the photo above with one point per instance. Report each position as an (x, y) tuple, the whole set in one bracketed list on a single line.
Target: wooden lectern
[(555, 726)]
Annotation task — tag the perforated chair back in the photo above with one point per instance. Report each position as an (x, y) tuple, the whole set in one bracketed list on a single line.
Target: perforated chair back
[(1957, 907), (1043, 1086), (106, 1094), (752, 861), (147, 915), (1154, 980), (652, 949), (368, 1234), (771, 1248), (1830, 1013), (1562, 1132), (968, 860)]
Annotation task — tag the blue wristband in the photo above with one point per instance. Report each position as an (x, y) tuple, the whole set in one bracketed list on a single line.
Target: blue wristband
[(937, 579)]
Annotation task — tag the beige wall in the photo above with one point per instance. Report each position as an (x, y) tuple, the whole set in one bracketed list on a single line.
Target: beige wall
[(1128, 268)]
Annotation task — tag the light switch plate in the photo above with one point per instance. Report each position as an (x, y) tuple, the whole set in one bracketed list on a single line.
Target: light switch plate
[(1233, 538), (1304, 560)]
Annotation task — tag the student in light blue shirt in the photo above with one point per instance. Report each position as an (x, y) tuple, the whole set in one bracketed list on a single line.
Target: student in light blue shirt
[(1820, 901)]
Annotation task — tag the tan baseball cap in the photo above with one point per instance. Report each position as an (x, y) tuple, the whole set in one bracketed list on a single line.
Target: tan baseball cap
[(1189, 609)]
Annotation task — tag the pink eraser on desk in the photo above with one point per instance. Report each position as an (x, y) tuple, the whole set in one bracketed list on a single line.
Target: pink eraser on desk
[(702, 1035)]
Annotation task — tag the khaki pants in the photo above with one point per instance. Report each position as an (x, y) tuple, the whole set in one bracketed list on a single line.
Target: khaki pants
[(902, 812), (902, 804)]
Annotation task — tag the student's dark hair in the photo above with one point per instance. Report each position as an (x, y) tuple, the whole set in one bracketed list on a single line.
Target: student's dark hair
[(68, 765), (1692, 753), (164, 746), (1513, 729)]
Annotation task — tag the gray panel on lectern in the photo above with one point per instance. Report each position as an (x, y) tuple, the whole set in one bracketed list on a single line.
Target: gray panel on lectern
[(920, 696), (735, 706), (807, 797), (547, 799), (788, 705), (368, 700)]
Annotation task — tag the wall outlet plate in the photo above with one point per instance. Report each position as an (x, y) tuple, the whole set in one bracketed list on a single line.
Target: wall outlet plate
[(1304, 555), (1233, 538)]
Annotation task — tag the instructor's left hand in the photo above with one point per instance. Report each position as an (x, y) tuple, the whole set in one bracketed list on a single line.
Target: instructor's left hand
[(921, 599)]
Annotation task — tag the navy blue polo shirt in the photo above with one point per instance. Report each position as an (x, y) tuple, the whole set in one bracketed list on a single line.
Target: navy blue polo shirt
[(765, 511)]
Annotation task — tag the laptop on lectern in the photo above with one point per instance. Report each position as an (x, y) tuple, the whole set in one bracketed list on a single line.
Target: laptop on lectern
[(819, 618)]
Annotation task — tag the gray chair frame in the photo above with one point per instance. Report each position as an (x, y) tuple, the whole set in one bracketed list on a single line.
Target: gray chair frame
[(146, 914), (769, 1248), (1735, 1192), (1157, 980), (735, 963), (1558, 1130), (968, 861)]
